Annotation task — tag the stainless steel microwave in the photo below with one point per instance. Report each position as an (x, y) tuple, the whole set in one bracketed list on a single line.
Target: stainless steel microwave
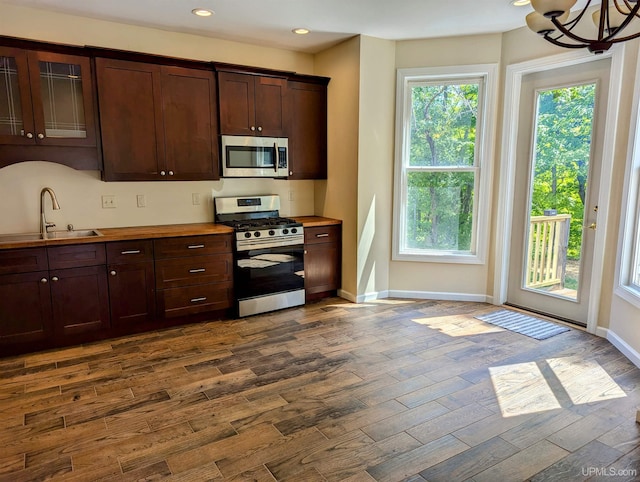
[(247, 156)]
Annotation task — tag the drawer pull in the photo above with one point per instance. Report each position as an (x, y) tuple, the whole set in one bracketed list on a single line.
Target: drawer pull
[(195, 246), (324, 235), (133, 251), (198, 270), (196, 300)]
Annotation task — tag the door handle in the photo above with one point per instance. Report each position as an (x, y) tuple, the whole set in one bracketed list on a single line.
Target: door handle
[(593, 226)]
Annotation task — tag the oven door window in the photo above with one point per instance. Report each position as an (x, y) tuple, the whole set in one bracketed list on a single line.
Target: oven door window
[(267, 271), (247, 157)]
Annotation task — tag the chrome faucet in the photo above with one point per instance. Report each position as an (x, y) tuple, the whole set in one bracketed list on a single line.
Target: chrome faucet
[(44, 225)]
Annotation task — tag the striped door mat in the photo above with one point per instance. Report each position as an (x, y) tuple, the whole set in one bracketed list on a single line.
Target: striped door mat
[(523, 324)]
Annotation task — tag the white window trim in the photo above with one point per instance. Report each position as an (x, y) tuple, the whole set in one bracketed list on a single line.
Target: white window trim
[(629, 235), (485, 158)]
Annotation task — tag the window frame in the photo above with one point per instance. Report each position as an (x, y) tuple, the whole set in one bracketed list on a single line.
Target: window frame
[(483, 159), (628, 257)]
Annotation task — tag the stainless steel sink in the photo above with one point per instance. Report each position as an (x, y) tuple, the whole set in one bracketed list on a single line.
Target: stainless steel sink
[(80, 233), (16, 238)]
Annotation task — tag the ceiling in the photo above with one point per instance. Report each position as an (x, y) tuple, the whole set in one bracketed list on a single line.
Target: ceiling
[(269, 22)]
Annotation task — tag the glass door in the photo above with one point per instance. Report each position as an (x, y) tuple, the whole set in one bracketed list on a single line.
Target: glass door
[(62, 99), (557, 175), (16, 114)]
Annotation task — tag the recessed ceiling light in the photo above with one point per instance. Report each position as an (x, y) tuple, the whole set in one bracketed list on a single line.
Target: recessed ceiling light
[(520, 3), (202, 12), (301, 31)]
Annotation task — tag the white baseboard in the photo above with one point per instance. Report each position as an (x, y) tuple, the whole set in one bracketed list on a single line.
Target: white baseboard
[(420, 295), (626, 349)]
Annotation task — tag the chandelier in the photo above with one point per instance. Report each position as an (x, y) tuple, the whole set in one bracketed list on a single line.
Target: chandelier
[(551, 20)]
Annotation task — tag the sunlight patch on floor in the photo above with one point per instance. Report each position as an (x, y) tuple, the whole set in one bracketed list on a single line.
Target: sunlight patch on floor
[(456, 325), (522, 389), (585, 381)]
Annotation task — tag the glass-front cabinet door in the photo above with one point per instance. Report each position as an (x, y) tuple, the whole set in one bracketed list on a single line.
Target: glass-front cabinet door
[(45, 99)]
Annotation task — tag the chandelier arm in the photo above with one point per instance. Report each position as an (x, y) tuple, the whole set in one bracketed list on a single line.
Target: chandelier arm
[(624, 39), (630, 16), (567, 32), (628, 5), (557, 42)]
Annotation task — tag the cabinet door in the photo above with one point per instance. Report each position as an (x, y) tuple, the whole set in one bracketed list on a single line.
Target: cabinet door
[(25, 308), (237, 104), (62, 99), (308, 131), (129, 95), (322, 260), (190, 127), (131, 293), (270, 95), (16, 112), (80, 300)]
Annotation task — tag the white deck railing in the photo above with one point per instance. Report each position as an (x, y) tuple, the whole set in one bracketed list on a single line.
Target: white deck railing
[(547, 250)]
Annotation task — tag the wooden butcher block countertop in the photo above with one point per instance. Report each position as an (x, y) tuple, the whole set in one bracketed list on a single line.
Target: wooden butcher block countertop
[(153, 232)]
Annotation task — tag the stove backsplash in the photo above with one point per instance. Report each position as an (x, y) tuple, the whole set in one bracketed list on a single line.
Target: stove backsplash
[(80, 196)]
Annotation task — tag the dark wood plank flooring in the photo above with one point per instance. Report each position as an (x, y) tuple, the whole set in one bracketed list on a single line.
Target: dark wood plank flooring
[(388, 391)]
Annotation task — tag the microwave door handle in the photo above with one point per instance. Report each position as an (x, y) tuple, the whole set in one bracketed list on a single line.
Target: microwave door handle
[(276, 157)]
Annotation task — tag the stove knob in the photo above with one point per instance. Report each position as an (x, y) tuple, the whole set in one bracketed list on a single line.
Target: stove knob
[(272, 232), (257, 234), (294, 230), (247, 235), (285, 231)]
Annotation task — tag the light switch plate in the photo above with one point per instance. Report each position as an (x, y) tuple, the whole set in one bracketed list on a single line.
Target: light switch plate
[(141, 200)]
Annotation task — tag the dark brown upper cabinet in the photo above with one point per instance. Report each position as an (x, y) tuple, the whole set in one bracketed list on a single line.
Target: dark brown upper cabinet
[(252, 105), (308, 129), (158, 122), (47, 108)]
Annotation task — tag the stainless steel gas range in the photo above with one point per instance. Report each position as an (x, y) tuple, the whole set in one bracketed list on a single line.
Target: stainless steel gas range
[(268, 255)]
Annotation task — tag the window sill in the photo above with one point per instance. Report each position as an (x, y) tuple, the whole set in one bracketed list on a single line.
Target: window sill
[(438, 258), (629, 294)]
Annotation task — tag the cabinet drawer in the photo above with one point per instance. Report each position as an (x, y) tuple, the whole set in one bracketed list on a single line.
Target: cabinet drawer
[(23, 260), (322, 234), (61, 257), (174, 272), (195, 299), (124, 252), (192, 246)]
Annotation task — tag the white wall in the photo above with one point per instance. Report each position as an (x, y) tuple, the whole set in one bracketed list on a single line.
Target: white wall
[(79, 192)]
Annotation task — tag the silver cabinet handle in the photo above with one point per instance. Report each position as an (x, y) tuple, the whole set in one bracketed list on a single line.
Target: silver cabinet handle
[(195, 246), (133, 251), (197, 270), (259, 128), (55, 278), (291, 173), (323, 235), (163, 173), (29, 135), (40, 136), (112, 272), (196, 300), (253, 128), (43, 280), (171, 173)]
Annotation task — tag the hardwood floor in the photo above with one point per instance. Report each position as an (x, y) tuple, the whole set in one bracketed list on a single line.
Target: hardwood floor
[(388, 391)]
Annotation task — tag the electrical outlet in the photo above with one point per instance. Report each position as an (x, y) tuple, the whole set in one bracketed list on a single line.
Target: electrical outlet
[(108, 201), (291, 196), (195, 198), (141, 200)]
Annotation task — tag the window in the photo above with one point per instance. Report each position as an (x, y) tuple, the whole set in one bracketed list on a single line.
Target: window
[(443, 157)]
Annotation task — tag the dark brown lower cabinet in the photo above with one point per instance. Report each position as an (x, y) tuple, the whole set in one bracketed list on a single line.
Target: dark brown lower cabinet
[(25, 308), (322, 261), (131, 283), (79, 290), (80, 299)]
